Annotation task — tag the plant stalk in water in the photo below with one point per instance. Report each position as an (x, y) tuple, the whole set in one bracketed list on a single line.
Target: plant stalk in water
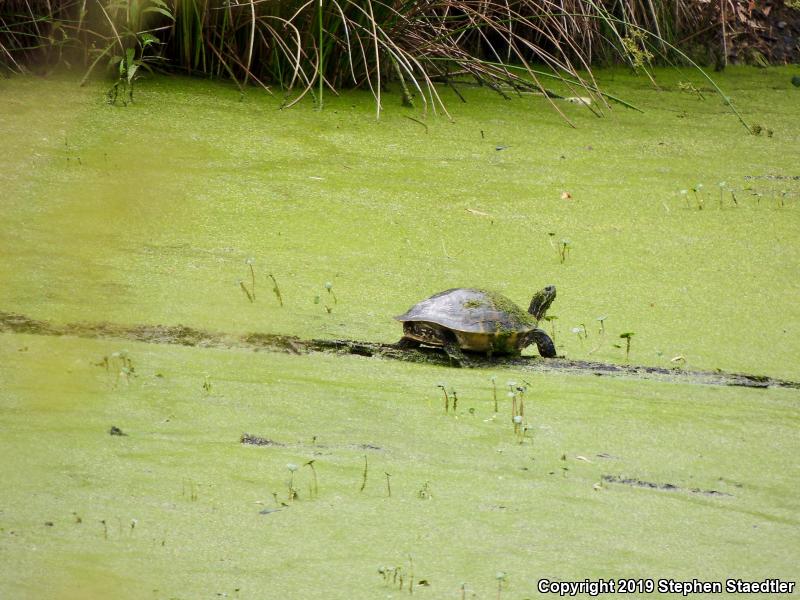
[(292, 492), (276, 290), (563, 249), (627, 337), (364, 474), (314, 487), (446, 397), (246, 291), (249, 262), (329, 287)]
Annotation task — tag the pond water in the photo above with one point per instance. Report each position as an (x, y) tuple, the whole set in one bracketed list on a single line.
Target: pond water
[(151, 214)]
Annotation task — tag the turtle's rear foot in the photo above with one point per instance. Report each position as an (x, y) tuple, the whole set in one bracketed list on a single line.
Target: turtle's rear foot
[(456, 355)]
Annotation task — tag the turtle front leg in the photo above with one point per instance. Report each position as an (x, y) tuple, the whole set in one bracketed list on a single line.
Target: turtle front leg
[(547, 349)]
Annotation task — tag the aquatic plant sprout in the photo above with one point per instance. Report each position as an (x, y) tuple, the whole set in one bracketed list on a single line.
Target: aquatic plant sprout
[(292, 491), (627, 337)]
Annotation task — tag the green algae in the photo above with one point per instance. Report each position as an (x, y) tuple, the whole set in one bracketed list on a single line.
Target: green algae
[(509, 307), (197, 494), (473, 303), (148, 214), (172, 195)]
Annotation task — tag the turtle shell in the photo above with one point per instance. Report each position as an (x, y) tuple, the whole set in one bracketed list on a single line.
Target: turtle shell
[(471, 310)]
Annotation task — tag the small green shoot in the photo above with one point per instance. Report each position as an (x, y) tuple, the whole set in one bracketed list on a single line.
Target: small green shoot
[(318, 300), (329, 287), (512, 393), (602, 319), (494, 392), (563, 249), (314, 488), (249, 263), (698, 196), (246, 291), (580, 332), (131, 61), (443, 387), (276, 290), (388, 484), (364, 474), (126, 368), (517, 395), (502, 581), (424, 493), (602, 331), (513, 397), (689, 88), (627, 337), (292, 490), (190, 486)]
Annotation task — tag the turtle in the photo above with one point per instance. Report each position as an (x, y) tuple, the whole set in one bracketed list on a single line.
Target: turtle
[(479, 321)]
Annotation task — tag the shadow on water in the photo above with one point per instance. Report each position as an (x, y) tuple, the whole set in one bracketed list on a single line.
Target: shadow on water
[(187, 336)]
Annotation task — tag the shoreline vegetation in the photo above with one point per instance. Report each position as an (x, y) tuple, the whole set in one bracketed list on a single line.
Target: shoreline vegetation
[(316, 48)]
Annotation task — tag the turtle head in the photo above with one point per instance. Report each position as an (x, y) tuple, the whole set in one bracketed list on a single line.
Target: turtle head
[(541, 302)]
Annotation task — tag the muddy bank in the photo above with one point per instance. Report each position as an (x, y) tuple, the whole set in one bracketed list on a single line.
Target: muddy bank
[(187, 336)]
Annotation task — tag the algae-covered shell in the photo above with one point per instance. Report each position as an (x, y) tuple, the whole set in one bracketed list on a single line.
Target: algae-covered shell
[(471, 310)]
